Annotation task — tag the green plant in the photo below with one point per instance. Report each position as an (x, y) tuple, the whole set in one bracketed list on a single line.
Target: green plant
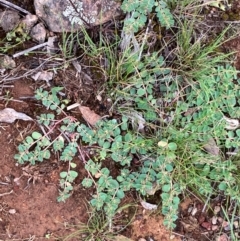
[(95, 229), (108, 135), (186, 106), (18, 35), (98, 227), (14, 38), (37, 147), (169, 112), (139, 11), (7, 97), (67, 43)]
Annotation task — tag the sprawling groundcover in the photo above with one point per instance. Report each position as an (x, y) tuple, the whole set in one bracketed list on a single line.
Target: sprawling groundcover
[(170, 93)]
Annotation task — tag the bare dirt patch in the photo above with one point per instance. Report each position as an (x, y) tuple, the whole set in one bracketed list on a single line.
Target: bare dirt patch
[(32, 189), (151, 226)]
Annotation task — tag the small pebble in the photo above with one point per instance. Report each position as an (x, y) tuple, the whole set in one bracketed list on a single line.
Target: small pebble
[(220, 220), (206, 225), (222, 237), (214, 227), (194, 211), (150, 239), (190, 209), (236, 224), (12, 211), (214, 220), (99, 98), (227, 228), (236, 234), (217, 209)]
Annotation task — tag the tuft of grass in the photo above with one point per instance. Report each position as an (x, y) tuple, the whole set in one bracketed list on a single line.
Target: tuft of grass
[(196, 55), (99, 228)]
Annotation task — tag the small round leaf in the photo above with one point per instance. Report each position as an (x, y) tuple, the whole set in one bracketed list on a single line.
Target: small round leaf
[(73, 165), (166, 188), (141, 92), (36, 135), (63, 174), (172, 146)]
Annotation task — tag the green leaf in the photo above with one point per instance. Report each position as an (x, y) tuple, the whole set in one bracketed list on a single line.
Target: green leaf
[(120, 194), (120, 178), (103, 154), (73, 174), (113, 184), (169, 167), (36, 135), (128, 137), (29, 140), (63, 174), (141, 92), (58, 144), (102, 196), (87, 182), (166, 188), (124, 126), (106, 144), (163, 14), (50, 116), (176, 200), (45, 141), (105, 171), (172, 146), (222, 186), (165, 196), (46, 154), (117, 131), (73, 165)]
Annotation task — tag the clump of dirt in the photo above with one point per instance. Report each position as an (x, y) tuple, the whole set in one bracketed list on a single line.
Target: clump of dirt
[(234, 45), (150, 227)]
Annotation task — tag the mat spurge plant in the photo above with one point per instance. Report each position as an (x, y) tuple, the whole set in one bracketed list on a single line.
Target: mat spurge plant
[(167, 114), (139, 11), (168, 162), (170, 152)]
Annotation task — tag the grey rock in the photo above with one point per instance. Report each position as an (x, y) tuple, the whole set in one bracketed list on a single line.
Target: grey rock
[(7, 62), (61, 15), (52, 45), (28, 22), (9, 20), (39, 33), (9, 115)]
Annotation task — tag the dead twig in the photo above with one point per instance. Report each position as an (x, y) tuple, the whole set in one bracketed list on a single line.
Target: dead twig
[(4, 183), (26, 51), (6, 193), (13, 6), (10, 76)]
